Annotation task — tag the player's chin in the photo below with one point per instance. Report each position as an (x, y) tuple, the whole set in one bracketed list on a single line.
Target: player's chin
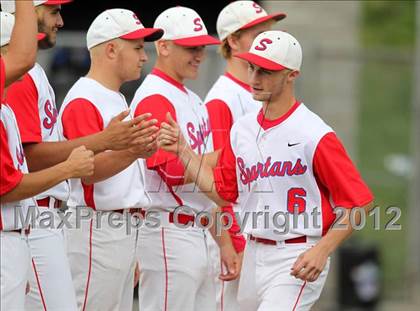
[(260, 96), (135, 75)]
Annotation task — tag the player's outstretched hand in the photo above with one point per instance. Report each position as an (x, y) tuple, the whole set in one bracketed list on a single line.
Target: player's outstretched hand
[(232, 263), (310, 264), (145, 145), (170, 137), (81, 162), (120, 134)]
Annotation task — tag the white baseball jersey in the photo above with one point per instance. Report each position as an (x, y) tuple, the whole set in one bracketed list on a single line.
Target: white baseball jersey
[(87, 109), (234, 96), (294, 163), (33, 101), (158, 95), (227, 101), (13, 166)]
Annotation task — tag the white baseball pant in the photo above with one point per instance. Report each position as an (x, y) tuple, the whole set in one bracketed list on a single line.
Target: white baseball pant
[(14, 265), (226, 292), (51, 286), (102, 260), (266, 283), (175, 273)]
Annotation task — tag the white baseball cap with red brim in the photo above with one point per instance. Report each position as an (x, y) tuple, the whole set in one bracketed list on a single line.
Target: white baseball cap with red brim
[(274, 50), (184, 27), (9, 5), (242, 15), (119, 23), (7, 22)]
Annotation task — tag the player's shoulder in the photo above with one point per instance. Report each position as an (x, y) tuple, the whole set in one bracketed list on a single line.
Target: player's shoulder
[(309, 125), (248, 121), (223, 89), (194, 96), (150, 86), (37, 73), (312, 119)]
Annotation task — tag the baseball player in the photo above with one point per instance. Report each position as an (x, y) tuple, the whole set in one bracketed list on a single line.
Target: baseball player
[(285, 163), (33, 102), (230, 98), (102, 252), (17, 186), (174, 264)]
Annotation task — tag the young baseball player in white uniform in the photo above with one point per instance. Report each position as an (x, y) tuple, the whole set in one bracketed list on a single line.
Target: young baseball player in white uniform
[(33, 101), (17, 186), (174, 264), (286, 165), (230, 98), (102, 256)]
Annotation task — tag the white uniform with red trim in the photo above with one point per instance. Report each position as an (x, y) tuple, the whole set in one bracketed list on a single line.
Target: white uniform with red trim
[(227, 101), (235, 94), (174, 263), (51, 287), (293, 163), (102, 257), (14, 252)]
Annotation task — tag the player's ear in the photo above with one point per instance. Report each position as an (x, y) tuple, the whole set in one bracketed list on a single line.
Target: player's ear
[(111, 49), (162, 47), (232, 40), (293, 75)]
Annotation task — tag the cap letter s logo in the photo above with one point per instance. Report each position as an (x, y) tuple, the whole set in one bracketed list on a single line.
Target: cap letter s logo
[(137, 19), (258, 9), (198, 23), (262, 46)]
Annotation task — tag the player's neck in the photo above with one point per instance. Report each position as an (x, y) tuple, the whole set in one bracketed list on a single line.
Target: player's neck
[(277, 108), (169, 71), (101, 75), (238, 69)]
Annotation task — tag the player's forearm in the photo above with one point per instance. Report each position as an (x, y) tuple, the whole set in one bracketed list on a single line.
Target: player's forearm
[(209, 159), (38, 182), (222, 239), (46, 154), (199, 172), (22, 48), (108, 164), (341, 231)]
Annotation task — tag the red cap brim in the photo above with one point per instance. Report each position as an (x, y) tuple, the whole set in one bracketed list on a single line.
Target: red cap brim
[(197, 41), (57, 2), (276, 17), (260, 61), (40, 36), (148, 34)]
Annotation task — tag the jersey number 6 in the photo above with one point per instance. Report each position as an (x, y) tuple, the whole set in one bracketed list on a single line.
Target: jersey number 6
[(296, 200)]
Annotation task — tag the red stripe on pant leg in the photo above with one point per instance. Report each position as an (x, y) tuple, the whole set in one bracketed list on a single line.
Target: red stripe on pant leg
[(223, 287), (166, 269), (90, 266), (39, 286), (300, 294)]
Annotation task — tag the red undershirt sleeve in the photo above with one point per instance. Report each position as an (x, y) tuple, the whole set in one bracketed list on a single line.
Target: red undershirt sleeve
[(10, 177), (169, 166), (221, 122), (22, 97), (338, 174), (81, 118)]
